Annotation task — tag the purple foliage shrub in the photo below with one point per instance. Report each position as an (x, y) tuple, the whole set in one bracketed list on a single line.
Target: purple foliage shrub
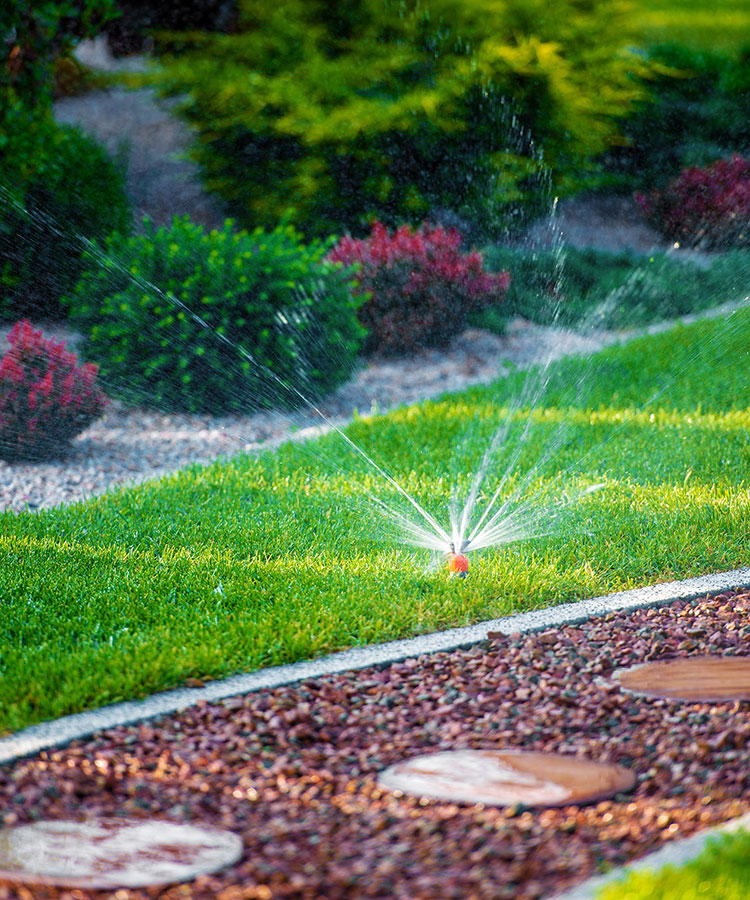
[(707, 208), (420, 287), (46, 398)]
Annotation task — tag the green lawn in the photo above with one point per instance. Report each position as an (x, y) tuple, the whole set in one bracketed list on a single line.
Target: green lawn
[(702, 24), (720, 872), (272, 559)]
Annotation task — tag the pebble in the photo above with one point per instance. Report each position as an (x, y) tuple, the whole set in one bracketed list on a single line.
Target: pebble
[(294, 771)]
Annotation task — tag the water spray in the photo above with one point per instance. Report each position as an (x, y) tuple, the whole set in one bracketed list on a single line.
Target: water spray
[(506, 517)]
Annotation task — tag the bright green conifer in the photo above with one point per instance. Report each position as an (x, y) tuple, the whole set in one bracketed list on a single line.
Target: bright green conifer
[(390, 109)]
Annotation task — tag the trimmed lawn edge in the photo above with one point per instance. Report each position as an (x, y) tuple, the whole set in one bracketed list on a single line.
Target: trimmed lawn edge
[(676, 853), (59, 732)]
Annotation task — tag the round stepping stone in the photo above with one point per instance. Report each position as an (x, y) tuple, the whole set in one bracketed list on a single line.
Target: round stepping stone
[(691, 678), (507, 778), (113, 853)]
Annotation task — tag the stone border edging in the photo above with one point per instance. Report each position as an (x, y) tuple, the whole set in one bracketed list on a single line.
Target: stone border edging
[(59, 732), (675, 853)]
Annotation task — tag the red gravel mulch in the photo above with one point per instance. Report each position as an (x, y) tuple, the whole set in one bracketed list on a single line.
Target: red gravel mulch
[(293, 771)]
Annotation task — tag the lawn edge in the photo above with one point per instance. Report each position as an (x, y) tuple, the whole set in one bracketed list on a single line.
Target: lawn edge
[(675, 853), (59, 732)]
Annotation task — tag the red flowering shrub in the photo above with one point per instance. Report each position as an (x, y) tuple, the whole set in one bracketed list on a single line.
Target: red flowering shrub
[(421, 289), (45, 397), (708, 208)]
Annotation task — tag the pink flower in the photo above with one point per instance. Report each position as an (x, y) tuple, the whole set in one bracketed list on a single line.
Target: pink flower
[(45, 385)]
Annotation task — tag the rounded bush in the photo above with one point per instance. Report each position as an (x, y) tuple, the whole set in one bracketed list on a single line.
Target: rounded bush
[(71, 192), (221, 321), (45, 398), (708, 208), (420, 288)]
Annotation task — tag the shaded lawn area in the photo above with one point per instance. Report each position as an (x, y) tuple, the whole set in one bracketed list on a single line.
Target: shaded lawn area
[(282, 557)]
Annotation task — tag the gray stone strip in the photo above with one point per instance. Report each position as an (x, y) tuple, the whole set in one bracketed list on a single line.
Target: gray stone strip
[(69, 728), (676, 853)]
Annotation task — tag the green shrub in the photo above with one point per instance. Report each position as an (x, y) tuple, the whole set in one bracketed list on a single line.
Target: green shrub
[(33, 36), (607, 290), (390, 110), (71, 191), (58, 188), (166, 312), (698, 112)]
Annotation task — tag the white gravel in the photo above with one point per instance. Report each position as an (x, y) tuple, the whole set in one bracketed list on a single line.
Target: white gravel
[(130, 445)]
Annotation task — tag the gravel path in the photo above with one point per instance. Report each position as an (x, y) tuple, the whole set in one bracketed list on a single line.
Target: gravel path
[(160, 178), (129, 445), (294, 770), (161, 181), (604, 222)]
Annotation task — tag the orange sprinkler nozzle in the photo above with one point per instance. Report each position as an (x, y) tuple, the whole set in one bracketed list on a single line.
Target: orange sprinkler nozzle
[(458, 565)]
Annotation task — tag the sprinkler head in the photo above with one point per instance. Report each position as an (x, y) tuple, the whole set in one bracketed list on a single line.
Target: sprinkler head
[(458, 565)]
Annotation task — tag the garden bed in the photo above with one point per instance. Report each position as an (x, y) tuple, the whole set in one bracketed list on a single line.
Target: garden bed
[(294, 770), (129, 445)]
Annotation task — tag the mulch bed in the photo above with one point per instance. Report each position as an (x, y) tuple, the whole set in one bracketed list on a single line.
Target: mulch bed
[(294, 770)]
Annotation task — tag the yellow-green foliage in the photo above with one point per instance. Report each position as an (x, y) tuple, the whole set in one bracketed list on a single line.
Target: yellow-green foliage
[(388, 109)]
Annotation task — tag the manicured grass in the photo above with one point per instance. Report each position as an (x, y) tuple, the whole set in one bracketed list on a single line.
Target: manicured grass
[(720, 872), (717, 25), (271, 559)]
